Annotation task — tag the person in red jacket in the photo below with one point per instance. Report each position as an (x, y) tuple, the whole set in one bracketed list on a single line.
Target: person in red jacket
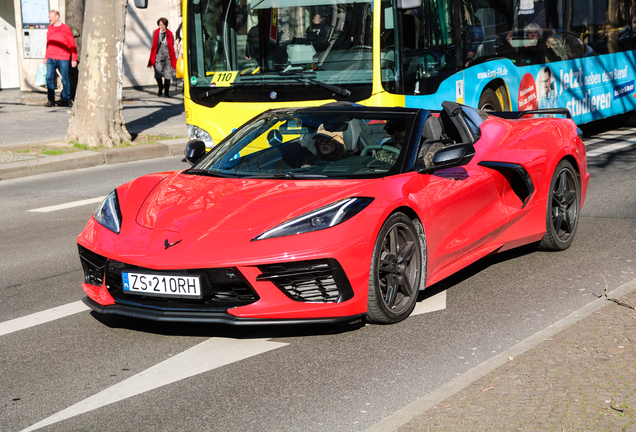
[(162, 56), (61, 53)]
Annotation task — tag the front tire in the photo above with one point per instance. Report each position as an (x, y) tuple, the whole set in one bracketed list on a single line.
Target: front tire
[(564, 203), (397, 270)]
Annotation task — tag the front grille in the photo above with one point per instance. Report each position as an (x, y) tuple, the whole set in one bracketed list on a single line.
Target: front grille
[(93, 265), (221, 288), (321, 281)]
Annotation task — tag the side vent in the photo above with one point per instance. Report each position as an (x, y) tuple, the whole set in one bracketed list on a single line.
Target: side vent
[(517, 176), (321, 281)]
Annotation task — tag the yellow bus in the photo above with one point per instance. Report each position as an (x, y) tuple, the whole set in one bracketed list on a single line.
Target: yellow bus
[(243, 57)]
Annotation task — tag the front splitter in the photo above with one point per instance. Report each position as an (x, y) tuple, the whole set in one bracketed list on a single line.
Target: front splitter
[(208, 317)]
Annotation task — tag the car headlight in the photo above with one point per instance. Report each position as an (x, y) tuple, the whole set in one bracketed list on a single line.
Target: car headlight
[(108, 213), (198, 134), (323, 218)]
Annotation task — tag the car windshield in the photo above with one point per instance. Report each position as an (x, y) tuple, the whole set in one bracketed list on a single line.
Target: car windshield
[(313, 144), (248, 43)]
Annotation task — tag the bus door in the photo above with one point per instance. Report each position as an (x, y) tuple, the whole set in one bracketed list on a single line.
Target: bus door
[(426, 41)]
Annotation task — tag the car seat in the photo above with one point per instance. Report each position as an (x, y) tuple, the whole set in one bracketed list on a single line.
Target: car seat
[(352, 138), (453, 124)]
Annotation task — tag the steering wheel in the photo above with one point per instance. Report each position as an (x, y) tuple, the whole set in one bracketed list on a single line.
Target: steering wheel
[(368, 148)]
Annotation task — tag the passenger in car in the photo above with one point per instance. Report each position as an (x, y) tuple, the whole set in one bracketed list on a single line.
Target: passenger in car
[(397, 130), (330, 147)]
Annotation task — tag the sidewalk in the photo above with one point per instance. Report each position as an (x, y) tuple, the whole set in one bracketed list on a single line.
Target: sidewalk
[(25, 122), (583, 378)]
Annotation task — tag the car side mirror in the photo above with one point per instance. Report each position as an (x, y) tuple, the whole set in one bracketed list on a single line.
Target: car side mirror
[(141, 4), (449, 157), (194, 151)]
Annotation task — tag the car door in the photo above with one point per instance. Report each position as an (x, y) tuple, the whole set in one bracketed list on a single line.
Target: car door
[(466, 211), (466, 202)]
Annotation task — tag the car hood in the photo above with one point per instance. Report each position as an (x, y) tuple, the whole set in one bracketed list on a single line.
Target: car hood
[(192, 203)]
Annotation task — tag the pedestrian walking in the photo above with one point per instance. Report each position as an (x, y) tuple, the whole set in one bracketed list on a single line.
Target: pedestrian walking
[(162, 56), (61, 54)]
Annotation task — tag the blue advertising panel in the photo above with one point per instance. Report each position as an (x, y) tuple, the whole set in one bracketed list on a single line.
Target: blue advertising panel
[(592, 88)]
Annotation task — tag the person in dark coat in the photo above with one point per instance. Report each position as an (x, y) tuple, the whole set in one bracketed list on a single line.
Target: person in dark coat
[(162, 56)]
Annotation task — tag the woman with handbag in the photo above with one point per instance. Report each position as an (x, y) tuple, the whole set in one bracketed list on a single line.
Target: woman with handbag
[(162, 56)]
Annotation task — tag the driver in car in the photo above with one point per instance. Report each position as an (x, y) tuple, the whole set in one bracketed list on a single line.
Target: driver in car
[(329, 146), (397, 130)]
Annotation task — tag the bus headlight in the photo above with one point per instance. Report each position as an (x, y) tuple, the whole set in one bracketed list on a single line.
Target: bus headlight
[(196, 133)]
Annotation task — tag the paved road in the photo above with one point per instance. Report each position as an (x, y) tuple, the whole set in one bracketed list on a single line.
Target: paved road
[(66, 369)]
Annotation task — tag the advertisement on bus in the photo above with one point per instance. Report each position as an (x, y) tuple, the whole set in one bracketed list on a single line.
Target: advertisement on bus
[(592, 88)]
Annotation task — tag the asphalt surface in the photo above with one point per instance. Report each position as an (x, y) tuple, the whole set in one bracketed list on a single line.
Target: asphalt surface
[(511, 348)]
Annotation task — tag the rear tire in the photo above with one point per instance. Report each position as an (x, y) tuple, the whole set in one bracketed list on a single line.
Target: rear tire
[(564, 203), (489, 102), (397, 270)]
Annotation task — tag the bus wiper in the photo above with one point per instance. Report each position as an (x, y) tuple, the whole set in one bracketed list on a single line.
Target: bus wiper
[(338, 90), (214, 92)]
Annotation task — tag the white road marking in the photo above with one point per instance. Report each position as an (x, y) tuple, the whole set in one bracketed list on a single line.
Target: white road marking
[(38, 318), (610, 148), (610, 134), (431, 304), (592, 141), (68, 205), (628, 139), (598, 140), (211, 354)]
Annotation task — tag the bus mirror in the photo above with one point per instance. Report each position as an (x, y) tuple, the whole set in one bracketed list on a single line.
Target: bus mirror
[(406, 4), (141, 4)]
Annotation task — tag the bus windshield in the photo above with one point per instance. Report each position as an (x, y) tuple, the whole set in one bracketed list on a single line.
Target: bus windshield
[(250, 43)]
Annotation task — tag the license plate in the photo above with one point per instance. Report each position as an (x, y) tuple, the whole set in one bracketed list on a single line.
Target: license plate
[(161, 285)]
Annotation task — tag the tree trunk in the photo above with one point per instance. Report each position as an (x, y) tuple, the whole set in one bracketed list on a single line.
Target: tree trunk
[(97, 117), (74, 18)]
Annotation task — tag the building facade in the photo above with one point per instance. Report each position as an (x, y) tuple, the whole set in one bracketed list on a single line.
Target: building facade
[(23, 25)]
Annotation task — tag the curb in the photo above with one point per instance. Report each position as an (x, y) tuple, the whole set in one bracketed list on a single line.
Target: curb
[(90, 158)]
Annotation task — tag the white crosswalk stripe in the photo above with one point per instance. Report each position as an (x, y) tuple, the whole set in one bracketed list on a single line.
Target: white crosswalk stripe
[(610, 138), (610, 148)]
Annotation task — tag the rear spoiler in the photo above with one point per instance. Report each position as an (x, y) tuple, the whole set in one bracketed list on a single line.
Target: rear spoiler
[(515, 115)]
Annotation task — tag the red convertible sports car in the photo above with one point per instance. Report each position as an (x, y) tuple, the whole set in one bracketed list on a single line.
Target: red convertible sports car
[(333, 214)]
